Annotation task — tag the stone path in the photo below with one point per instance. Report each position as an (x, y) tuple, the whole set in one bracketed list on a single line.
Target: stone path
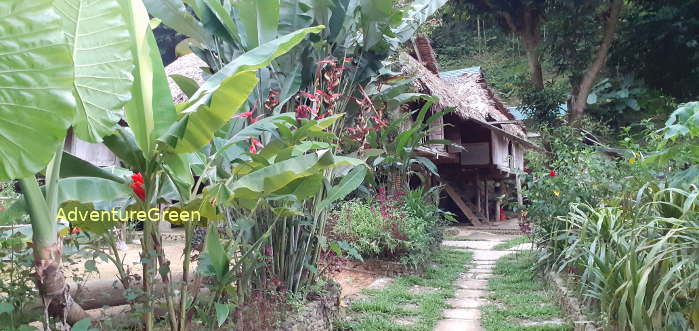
[(464, 313)]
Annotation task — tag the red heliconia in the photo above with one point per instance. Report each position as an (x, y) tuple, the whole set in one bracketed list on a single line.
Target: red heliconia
[(137, 185)]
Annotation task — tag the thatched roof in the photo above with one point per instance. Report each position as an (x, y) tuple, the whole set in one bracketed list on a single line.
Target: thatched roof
[(189, 66), (469, 93)]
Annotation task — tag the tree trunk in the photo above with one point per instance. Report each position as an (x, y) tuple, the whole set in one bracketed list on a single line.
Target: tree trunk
[(579, 97), (528, 32), (50, 280)]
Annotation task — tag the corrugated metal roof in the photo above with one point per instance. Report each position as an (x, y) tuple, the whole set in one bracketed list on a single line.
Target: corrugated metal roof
[(459, 72)]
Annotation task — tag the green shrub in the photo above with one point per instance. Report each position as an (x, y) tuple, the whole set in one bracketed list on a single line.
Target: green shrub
[(401, 227)]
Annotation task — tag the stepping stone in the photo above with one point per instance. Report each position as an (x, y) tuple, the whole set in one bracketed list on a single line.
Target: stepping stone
[(380, 283), (551, 322), (522, 247), (466, 302), (472, 284), (480, 275), (476, 245), (458, 325), (485, 269), (417, 289), (405, 320), (463, 313), (488, 255), (463, 293)]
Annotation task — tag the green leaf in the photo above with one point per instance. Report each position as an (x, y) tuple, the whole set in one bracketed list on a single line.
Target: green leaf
[(150, 112), (123, 144), (204, 121), (178, 167), (174, 14), (73, 166), (99, 40), (82, 325), (258, 184), (6, 308), (36, 77), (418, 12), (257, 58), (294, 15), (347, 185), (222, 312), (187, 85), (260, 19), (223, 17), (216, 252), (91, 189)]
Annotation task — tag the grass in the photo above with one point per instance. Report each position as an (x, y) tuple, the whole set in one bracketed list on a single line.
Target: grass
[(385, 308), (518, 297), (512, 243)]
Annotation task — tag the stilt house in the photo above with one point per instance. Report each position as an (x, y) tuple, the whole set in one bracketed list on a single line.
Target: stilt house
[(479, 177)]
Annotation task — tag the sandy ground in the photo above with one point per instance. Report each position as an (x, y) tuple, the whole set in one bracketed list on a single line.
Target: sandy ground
[(132, 261), (352, 282)]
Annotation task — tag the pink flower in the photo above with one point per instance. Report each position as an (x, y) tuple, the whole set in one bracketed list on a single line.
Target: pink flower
[(302, 111), (246, 114), (254, 143), (255, 119)]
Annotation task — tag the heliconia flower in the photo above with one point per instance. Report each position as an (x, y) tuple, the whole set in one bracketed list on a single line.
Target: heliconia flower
[(302, 111), (138, 189), (246, 114), (137, 178), (309, 96), (552, 173), (255, 119), (256, 142)]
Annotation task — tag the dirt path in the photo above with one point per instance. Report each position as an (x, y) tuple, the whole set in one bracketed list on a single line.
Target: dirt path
[(465, 310)]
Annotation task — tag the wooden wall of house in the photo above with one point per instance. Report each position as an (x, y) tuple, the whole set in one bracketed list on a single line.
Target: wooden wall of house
[(476, 142), (500, 151), (97, 154)]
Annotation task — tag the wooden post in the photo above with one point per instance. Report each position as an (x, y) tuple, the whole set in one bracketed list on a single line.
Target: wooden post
[(477, 182), (487, 210), (498, 193), (518, 186)]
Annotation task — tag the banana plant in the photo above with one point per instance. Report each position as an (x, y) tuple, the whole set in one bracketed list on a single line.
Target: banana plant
[(160, 138), (58, 73), (365, 31)]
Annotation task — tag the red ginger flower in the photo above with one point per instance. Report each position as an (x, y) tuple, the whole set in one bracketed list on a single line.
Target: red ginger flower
[(137, 185), (246, 114), (254, 143)]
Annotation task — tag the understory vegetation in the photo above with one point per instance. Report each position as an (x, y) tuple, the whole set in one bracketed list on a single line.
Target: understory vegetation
[(520, 300), (403, 226), (413, 302)]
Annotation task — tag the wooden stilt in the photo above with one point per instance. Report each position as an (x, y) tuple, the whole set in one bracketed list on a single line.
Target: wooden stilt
[(478, 194), (498, 201), (487, 209), (518, 185)]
